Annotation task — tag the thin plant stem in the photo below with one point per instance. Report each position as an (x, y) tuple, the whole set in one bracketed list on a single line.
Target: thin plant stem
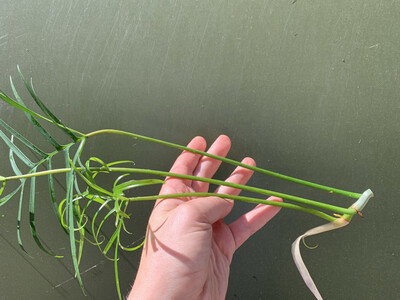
[(237, 198), (229, 161), (330, 207), (223, 159)]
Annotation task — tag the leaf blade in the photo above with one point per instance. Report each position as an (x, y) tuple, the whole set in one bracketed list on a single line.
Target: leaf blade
[(46, 111), (116, 262), (53, 195), (32, 222), (16, 150), (19, 217), (22, 139), (21, 198), (70, 217), (131, 184), (6, 198), (31, 116)]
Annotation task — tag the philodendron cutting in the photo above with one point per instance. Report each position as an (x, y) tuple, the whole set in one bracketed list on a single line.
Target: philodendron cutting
[(82, 190)]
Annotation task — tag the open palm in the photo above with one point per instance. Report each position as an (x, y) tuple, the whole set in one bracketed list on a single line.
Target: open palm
[(189, 247)]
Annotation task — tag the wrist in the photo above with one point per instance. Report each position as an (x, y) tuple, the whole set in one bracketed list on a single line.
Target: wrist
[(158, 282)]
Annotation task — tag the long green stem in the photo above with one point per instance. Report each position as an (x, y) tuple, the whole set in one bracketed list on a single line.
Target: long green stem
[(229, 161), (223, 159), (333, 208), (239, 198)]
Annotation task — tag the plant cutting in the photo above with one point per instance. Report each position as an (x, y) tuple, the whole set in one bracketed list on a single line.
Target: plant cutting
[(84, 193)]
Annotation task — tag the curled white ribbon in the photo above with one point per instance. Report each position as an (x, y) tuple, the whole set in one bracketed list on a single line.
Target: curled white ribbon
[(297, 256), (338, 223)]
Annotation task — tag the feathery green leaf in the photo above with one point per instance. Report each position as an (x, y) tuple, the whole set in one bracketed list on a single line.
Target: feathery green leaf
[(23, 139), (19, 217), (6, 198), (133, 248), (17, 171), (46, 111), (95, 233), (93, 185), (10, 101), (112, 239), (80, 230), (70, 178), (53, 195), (31, 116), (103, 220), (32, 217), (120, 188), (116, 262), (98, 160), (16, 150), (119, 162)]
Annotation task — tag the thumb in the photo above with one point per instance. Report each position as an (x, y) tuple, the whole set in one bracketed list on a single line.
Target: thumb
[(209, 209)]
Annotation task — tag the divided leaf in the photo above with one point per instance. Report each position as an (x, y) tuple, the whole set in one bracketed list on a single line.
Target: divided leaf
[(131, 184), (46, 111), (23, 139), (6, 198), (32, 217), (21, 197), (16, 150), (70, 178), (31, 116), (53, 195)]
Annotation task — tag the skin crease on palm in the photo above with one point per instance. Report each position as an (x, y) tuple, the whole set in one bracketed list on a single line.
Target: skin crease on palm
[(189, 247)]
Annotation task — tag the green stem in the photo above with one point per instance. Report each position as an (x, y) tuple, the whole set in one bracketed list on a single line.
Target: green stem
[(116, 261), (333, 208), (223, 159), (229, 161), (238, 198)]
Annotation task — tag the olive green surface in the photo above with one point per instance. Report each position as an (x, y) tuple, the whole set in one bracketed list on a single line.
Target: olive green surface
[(310, 89)]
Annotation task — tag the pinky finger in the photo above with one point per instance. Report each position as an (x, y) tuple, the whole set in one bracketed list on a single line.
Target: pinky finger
[(249, 223)]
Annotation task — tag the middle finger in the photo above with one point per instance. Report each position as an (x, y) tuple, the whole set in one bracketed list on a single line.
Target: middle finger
[(208, 166)]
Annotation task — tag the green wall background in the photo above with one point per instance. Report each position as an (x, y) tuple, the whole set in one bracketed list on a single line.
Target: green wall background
[(307, 88)]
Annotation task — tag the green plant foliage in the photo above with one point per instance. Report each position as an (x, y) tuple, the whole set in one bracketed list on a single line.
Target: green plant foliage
[(23, 140), (44, 109), (111, 206)]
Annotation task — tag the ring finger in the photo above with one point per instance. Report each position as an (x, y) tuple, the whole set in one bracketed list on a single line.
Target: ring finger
[(240, 176)]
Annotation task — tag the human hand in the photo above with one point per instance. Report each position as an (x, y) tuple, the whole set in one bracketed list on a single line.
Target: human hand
[(189, 248)]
